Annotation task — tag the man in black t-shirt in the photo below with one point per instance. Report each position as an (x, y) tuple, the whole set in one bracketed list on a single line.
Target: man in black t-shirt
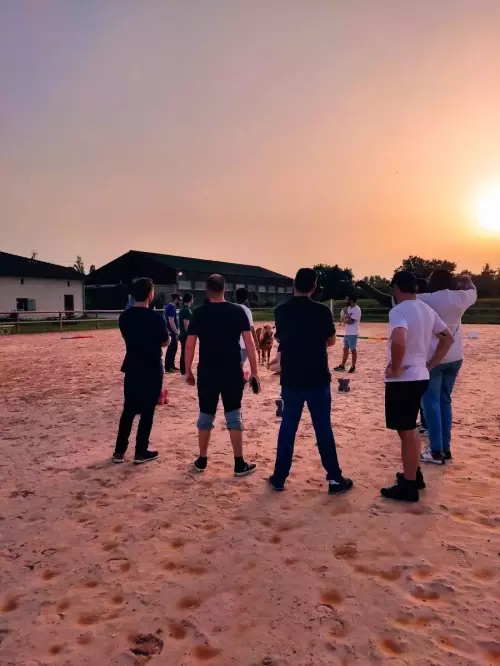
[(304, 330), (218, 326), (145, 333)]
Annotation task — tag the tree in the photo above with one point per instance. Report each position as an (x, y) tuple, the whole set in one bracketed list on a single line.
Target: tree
[(378, 282), (92, 268), (422, 268), (333, 282), (79, 265)]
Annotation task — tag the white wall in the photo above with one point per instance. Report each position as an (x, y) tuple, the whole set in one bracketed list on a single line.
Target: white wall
[(49, 294)]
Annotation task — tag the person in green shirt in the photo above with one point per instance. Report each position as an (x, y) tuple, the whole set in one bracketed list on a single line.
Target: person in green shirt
[(185, 315)]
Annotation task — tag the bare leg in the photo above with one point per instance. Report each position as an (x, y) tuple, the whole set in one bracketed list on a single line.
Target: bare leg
[(237, 442), (345, 356), (354, 358), (410, 453), (204, 441)]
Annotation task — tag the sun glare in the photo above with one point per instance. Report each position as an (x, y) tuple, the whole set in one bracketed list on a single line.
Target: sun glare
[(488, 210)]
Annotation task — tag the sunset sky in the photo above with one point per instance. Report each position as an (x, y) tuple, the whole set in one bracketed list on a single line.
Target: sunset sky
[(276, 132)]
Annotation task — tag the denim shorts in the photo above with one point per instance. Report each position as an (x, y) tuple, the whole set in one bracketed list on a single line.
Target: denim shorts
[(350, 342)]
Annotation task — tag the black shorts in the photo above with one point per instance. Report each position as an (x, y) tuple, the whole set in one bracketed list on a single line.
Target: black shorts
[(402, 403), (226, 385)]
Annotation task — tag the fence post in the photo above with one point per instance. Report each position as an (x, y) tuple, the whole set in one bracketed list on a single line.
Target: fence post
[(18, 325), (61, 322), (96, 321)]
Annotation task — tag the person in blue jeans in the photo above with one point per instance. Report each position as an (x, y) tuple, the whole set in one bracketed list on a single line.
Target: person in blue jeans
[(305, 330), (449, 297)]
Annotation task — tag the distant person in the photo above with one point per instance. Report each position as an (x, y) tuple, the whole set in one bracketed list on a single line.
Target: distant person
[(173, 329), (185, 316), (304, 330), (352, 318), (412, 328), (450, 300), (145, 333), (242, 301), (218, 326)]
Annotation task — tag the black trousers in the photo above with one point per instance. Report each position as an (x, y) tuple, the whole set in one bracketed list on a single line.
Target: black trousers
[(141, 397), (171, 352), (182, 363)]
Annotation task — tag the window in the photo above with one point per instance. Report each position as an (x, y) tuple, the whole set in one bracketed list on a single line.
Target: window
[(262, 289), (200, 286), (252, 288), (240, 286), (69, 302), (271, 289), (230, 286), (25, 304), (69, 283), (289, 290), (185, 285), (281, 290), (22, 280)]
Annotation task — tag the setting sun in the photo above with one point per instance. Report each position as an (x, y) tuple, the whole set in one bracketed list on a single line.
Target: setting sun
[(488, 210)]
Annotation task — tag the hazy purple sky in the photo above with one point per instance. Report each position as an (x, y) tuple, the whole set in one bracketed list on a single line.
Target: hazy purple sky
[(276, 132)]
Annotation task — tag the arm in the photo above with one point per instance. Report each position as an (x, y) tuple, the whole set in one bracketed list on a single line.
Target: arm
[(252, 354), (186, 324), (329, 328), (398, 350), (383, 299), (189, 356), (171, 321), (445, 341)]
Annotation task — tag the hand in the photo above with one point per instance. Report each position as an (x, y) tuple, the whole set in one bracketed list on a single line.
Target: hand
[(430, 366), (392, 373), (190, 380)]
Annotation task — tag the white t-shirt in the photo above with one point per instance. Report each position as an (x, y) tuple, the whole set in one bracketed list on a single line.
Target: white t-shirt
[(422, 326), (450, 306), (250, 319), (354, 312)]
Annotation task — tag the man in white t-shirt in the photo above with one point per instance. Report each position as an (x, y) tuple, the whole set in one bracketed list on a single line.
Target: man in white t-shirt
[(242, 301), (450, 304), (413, 325), (351, 333)]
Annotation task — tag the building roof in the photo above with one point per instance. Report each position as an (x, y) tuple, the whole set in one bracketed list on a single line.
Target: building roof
[(12, 265), (210, 266)]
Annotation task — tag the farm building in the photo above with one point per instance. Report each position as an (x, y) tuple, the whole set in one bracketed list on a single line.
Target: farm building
[(107, 287), (32, 286)]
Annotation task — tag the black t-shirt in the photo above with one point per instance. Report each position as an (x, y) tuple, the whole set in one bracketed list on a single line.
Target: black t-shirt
[(144, 331), (218, 326), (302, 330)]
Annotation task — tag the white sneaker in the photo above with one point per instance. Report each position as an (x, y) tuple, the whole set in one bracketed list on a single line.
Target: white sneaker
[(428, 456)]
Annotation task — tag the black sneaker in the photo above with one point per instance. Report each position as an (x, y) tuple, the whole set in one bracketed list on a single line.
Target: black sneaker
[(432, 457), (340, 486), (275, 486), (118, 458), (247, 468), (447, 455), (200, 464), (352, 370), (420, 479), (339, 368), (406, 491), (146, 457)]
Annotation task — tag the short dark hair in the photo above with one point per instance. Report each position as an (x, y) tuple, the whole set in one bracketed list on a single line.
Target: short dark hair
[(422, 285), (305, 280), (216, 284), (241, 295), (352, 297), (175, 297), (141, 288), (188, 297), (405, 281), (441, 279)]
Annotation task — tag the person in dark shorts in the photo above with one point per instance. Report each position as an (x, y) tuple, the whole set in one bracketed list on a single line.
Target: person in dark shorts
[(305, 330), (172, 320), (185, 315), (218, 326), (412, 327), (145, 333)]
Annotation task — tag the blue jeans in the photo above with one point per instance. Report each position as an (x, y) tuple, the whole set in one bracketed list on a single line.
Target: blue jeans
[(319, 401), (437, 405)]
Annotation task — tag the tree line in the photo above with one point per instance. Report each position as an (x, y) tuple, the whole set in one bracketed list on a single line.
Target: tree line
[(335, 282)]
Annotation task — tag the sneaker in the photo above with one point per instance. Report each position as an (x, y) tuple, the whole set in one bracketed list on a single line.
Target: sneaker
[(340, 368), (275, 486), (352, 370), (406, 491), (248, 468), (340, 486), (447, 455), (429, 456), (200, 464), (146, 457), (118, 458), (420, 479)]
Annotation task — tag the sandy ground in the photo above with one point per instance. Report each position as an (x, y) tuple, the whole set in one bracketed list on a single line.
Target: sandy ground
[(220, 570)]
